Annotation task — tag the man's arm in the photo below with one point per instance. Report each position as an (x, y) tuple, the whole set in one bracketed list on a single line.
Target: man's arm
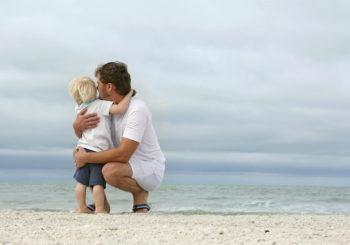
[(121, 154), (83, 122)]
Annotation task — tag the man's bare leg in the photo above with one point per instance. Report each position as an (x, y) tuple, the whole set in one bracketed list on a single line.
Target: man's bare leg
[(80, 193), (119, 175), (140, 198)]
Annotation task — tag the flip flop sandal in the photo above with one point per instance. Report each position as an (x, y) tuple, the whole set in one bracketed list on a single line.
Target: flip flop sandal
[(141, 206), (91, 207)]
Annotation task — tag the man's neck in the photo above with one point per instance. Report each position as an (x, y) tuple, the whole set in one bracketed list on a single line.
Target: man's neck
[(117, 98)]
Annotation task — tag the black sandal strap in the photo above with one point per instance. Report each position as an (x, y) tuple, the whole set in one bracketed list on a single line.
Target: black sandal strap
[(141, 206), (91, 207)]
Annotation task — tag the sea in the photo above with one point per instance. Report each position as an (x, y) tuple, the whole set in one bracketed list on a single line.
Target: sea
[(186, 199)]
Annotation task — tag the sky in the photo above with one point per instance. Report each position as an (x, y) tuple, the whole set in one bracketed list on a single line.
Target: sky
[(241, 92)]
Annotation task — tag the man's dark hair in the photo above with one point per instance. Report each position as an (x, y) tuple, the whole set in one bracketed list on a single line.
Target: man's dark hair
[(117, 74)]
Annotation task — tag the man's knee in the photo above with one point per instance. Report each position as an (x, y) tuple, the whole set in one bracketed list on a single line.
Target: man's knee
[(111, 172)]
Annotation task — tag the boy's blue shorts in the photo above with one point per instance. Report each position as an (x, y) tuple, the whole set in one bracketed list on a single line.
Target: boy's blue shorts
[(90, 174)]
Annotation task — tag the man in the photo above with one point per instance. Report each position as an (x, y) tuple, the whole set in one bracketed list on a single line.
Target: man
[(136, 164)]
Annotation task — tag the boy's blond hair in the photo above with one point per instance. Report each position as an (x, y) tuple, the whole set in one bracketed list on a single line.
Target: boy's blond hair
[(82, 89)]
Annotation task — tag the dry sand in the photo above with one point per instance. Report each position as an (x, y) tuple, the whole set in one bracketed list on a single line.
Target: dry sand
[(30, 227)]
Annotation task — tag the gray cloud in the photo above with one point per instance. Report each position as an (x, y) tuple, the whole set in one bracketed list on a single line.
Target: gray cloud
[(224, 78)]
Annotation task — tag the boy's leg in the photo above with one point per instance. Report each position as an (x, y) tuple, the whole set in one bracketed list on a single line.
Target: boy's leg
[(80, 193), (98, 183), (107, 206), (99, 197)]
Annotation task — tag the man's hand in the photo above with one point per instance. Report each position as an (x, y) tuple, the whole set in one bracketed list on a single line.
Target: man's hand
[(78, 154), (83, 122)]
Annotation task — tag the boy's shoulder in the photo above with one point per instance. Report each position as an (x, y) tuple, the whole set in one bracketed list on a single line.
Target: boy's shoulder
[(95, 106), (79, 108), (99, 102)]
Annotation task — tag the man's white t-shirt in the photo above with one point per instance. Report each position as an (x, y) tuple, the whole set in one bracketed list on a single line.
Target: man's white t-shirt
[(148, 161), (99, 138)]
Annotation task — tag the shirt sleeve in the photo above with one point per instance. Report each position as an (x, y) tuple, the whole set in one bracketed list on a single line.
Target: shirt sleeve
[(135, 126), (104, 107)]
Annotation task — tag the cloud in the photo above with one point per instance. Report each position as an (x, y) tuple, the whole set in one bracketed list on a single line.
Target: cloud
[(253, 178), (267, 81)]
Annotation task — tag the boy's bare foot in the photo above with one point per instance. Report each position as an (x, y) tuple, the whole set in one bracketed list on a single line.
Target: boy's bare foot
[(101, 212), (106, 207), (84, 210)]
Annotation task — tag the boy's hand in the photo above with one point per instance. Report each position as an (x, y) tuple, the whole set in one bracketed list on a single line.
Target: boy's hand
[(83, 122), (78, 154)]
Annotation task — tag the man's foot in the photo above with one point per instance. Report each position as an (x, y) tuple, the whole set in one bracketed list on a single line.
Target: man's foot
[(141, 208), (141, 198), (84, 210)]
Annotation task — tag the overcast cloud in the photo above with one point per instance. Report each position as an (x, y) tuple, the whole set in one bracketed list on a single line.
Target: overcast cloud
[(239, 90)]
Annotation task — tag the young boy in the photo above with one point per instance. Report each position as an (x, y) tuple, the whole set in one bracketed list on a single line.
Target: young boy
[(83, 90)]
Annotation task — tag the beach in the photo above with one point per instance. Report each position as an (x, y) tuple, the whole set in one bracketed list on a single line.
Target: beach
[(42, 213), (45, 227)]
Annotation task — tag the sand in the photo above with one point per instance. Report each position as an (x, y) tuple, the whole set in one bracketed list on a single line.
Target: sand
[(30, 227)]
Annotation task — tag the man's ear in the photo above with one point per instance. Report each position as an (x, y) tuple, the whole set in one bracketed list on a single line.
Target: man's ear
[(110, 87)]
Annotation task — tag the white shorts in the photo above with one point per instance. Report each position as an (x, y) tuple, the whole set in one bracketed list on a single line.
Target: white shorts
[(148, 174)]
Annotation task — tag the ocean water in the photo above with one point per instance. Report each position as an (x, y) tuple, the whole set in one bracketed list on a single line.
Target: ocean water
[(187, 199)]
